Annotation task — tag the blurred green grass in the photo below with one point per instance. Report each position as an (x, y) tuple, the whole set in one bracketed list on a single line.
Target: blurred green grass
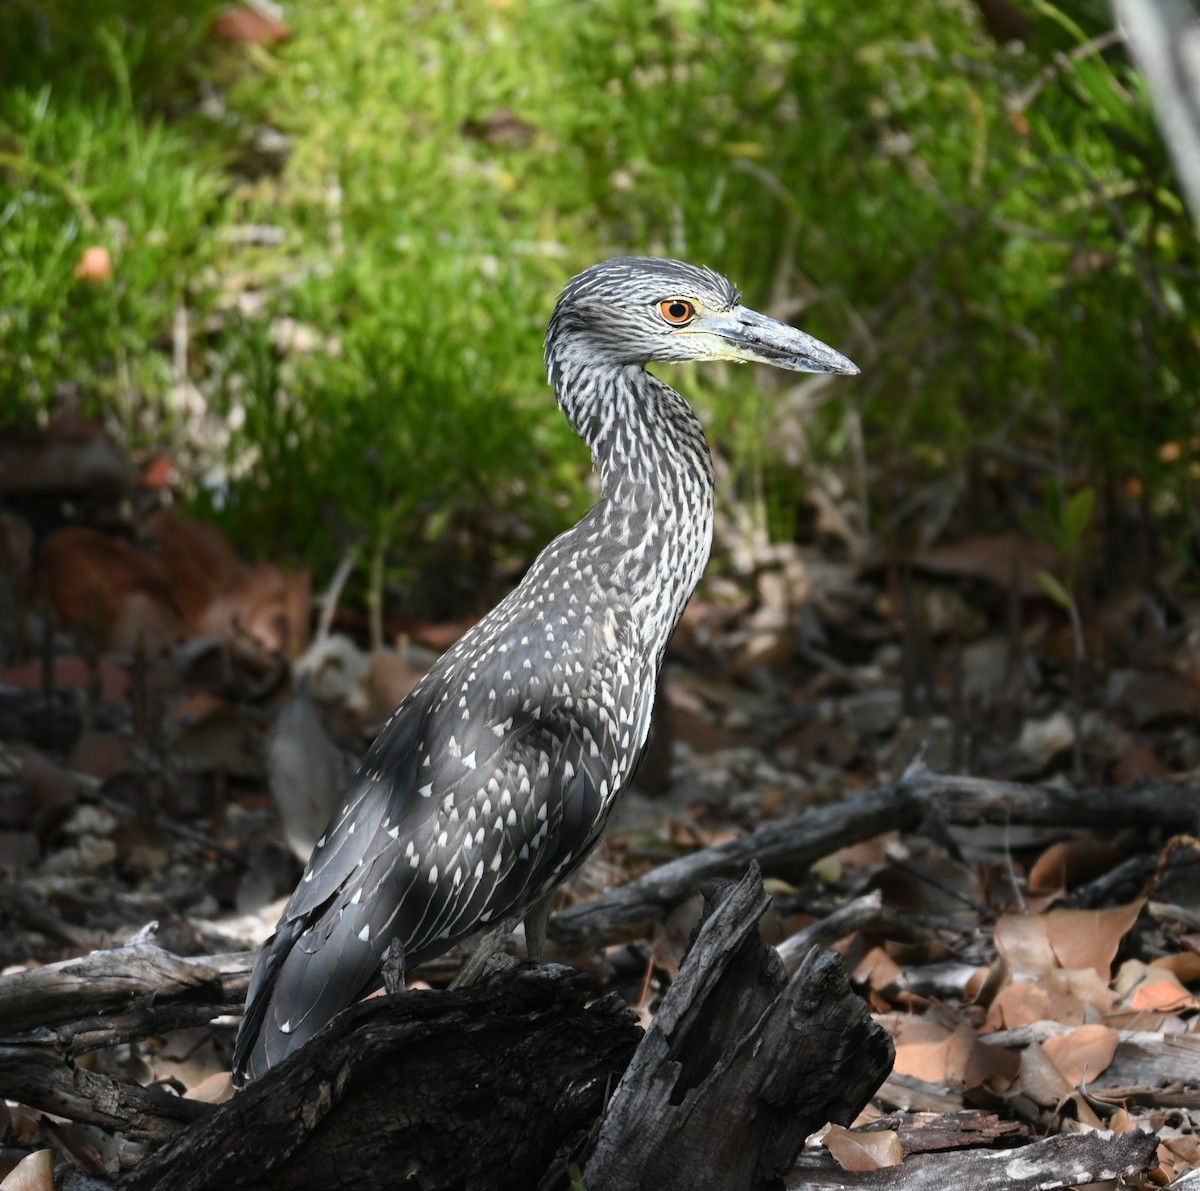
[(334, 257)]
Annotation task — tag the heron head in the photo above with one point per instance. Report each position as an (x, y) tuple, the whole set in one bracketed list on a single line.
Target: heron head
[(634, 310)]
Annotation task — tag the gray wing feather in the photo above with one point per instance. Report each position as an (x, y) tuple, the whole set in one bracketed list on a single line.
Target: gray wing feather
[(466, 808)]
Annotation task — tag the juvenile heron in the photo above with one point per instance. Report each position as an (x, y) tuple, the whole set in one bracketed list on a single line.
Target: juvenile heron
[(493, 780)]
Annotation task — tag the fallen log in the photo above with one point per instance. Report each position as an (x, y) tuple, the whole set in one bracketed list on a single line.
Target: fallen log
[(345, 1114), (740, 1064)]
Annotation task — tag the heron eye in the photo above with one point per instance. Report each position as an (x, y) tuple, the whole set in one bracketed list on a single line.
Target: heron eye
[(677, 311)]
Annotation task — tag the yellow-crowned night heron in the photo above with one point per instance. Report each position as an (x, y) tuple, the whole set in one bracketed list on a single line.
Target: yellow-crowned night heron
[(492, 781)]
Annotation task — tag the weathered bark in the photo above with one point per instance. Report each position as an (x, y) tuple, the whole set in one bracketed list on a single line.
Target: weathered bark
[(790, 849), (1063, 1161), (476, 1088), (117, 979), (51, 1015), (739, 1065), (40, 1078)]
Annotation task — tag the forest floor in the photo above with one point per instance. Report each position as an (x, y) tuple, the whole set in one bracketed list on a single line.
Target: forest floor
[(1036, 977)]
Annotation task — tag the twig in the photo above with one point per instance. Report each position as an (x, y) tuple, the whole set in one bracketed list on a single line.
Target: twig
[(329, 600)]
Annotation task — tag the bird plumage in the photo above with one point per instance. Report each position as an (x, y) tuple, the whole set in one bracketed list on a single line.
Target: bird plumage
[(493, 779)]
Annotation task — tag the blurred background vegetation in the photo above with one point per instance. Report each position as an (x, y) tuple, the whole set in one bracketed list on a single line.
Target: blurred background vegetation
[(333, 257)]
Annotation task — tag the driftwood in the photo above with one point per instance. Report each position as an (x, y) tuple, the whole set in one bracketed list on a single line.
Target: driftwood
[(739, 1065), (789, 849), (496, 1086), (1062, 1161)]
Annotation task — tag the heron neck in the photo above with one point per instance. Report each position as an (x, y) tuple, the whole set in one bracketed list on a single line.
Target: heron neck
[(654, 519)]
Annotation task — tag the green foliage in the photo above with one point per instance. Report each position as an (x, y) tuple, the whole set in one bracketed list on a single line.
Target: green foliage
[(995, 230), (80, 170), (1061, 525)]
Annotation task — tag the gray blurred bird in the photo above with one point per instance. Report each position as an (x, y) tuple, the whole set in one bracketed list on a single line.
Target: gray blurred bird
[(492, 781)]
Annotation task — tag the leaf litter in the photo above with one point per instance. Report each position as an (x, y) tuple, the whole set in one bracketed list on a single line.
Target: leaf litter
[(171, 742)]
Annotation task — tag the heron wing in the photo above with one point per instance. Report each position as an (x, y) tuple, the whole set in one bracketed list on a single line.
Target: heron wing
[(469, 805)]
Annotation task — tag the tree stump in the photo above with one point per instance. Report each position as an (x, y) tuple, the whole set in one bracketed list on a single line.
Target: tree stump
[(740, 1064)]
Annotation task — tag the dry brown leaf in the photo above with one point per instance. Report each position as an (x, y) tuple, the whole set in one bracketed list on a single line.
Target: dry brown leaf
[(389, 680), (1139, 763), (997, 559), (94, 578), (861, 1151), (877, 970), (1178, 1155), (1026, 1001), (1082, 1054), (1090, 938), (991, 1067), (1024, 943), (908, 1029), (439, 635), (1183, 965), (218, 594), (953, 886), (867, 854), (1085, 985), (1040, 1079), (1075, 1107), (1068, 862), (938, 1057), (1162, 995), (216, 1089), (35, 1172)]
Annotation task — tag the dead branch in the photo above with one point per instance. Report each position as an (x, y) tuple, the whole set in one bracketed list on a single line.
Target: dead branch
[(52, 1014), (789, 849), (1163, 35), (40, 1078), (116, 978)]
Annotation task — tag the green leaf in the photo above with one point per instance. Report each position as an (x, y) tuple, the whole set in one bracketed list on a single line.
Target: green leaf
[(1054, 589)]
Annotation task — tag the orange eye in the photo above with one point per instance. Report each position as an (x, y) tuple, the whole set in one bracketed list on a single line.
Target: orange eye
[(677, 311)]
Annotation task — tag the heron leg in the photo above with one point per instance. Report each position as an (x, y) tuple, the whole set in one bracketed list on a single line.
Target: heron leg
[(536, 921), (489, 943)]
